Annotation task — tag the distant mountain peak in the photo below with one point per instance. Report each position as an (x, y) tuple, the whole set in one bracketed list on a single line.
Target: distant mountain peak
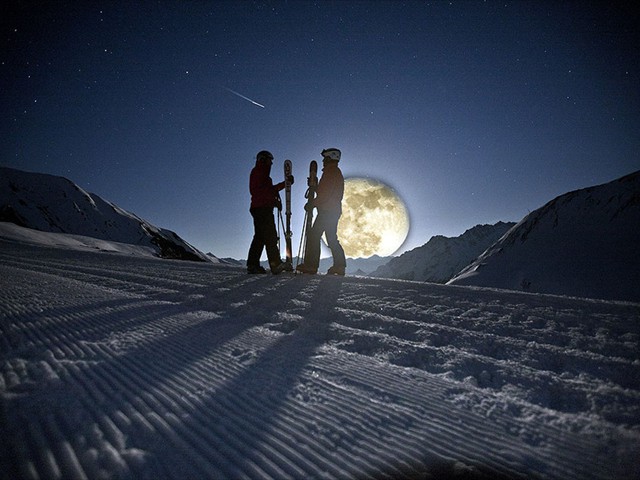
[(441, 257), (582, 243), (55, 204)]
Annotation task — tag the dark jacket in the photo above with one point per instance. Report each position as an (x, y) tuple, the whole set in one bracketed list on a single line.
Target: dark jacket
[(263, 192), (330, 189)]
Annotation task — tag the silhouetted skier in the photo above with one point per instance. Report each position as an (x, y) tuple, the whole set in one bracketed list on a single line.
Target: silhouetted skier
[(328, 202), (264, 198)]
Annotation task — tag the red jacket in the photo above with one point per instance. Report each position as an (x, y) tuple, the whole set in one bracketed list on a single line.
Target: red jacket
[(263, 191), (330, 189)]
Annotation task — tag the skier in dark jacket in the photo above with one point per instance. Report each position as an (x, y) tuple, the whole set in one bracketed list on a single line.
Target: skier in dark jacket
[(328, 202), (264, 198)]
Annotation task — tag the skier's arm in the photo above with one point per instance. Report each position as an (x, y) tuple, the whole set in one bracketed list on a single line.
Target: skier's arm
[(281, 185)]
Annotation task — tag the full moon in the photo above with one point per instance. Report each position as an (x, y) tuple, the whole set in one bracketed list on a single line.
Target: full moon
[(374, 219)]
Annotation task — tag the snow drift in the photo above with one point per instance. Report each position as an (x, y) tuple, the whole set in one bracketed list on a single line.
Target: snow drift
[(50, 203), (584, 243)]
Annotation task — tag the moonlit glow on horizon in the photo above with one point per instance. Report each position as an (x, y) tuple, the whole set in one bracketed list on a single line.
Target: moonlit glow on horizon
[(374, 219), (482, 111)]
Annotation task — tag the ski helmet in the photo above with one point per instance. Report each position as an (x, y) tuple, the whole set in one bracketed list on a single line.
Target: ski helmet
[(264, 155), (331, 154)]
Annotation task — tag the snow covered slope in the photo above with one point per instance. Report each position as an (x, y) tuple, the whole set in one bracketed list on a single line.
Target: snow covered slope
[(114, 366), (441, 257), (54, 204), (584, 243)]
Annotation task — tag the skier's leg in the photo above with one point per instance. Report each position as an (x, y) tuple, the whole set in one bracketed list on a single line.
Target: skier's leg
[(257, 244), (337, 252), (271, 240)]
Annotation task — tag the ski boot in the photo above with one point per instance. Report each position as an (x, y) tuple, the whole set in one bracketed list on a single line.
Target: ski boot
[(336, 271)]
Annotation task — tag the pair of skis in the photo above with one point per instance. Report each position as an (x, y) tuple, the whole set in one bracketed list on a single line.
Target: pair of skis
[(312, 183), (287, 212)]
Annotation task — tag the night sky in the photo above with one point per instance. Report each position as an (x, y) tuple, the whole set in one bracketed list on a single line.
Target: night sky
[(474, 112)]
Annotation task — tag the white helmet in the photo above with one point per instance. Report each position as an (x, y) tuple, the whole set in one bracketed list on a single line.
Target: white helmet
[(331, 154)]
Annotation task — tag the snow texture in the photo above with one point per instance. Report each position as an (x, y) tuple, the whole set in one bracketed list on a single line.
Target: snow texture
[(115, 365), (584, 243)]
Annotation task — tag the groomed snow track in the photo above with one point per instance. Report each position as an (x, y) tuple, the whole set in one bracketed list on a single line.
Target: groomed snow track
[(124, 367)]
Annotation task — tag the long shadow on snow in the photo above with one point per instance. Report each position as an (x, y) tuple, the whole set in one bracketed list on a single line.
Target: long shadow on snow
[(134, 376), (97, 321), (263, 388), (261, 393), (220, 323)]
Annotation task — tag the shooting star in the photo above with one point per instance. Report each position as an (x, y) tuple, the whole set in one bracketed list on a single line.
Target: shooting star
[(242, 96)]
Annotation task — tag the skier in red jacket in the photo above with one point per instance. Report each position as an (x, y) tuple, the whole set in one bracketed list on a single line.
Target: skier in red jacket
[(264, 198), (328, 201)]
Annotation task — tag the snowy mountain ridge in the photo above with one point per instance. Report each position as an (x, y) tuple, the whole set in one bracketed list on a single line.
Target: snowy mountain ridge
[(442, 257), (583, 243), (55, 204)]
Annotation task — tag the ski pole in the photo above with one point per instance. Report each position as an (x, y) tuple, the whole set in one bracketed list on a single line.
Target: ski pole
[(303, 244), (281, 224)]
